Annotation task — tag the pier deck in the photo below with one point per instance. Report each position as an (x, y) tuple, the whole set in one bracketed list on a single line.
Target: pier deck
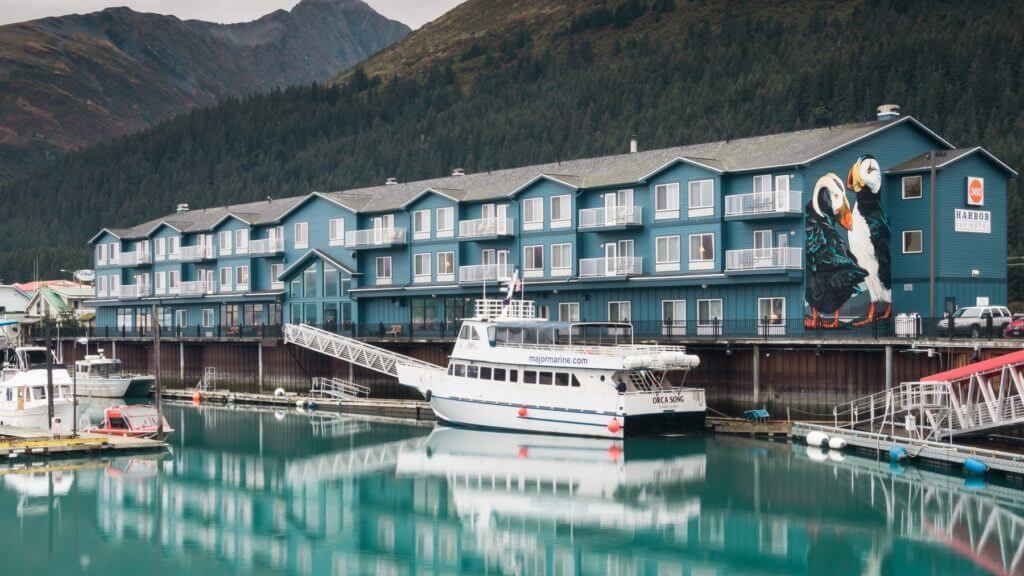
[(39, 442)]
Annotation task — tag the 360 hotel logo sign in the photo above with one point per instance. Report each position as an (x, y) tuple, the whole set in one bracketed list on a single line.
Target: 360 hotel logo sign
[(975, 191)]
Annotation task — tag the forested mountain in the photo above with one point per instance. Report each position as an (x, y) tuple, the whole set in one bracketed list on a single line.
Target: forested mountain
[(498, 83), (76, 80)]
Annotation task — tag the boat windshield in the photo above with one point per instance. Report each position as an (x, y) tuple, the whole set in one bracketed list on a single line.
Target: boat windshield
[(591, 334), (34, 358)]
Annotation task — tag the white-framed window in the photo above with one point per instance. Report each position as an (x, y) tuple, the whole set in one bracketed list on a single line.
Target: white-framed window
[(445, 266), (275, 271), (421, 225), (242, 241), (101, 286), (383, 270), (241, 278), (568, 311), (673, 317), (301, 230), (115, 253), (709, 317), (174, 247), (666, 254), (782, 183), (533, 261), (561, 211), (160, 248), (173, 281), (666, 201), (101, 254), (701, 198), (533, 213), (224, 238), (771, 315), (762, 183), (209, 317), (912, 187), (336, 232), (421, 267), (620, 311), (702, 251), (115, 284), (225, 279), (913, 242), (561, 259), (445, 221), (160, 282)]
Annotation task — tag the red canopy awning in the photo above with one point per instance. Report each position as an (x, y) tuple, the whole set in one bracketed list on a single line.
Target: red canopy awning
[(990, 365)]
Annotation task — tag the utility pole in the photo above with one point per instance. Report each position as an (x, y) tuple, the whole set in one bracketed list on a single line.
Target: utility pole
[(159, 394)]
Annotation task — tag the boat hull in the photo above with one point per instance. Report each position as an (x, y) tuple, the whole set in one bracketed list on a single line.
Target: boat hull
[(140, 386), (135, 386), (38, 416)]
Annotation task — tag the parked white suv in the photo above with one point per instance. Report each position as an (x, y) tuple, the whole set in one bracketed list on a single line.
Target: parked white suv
[(973, 321)]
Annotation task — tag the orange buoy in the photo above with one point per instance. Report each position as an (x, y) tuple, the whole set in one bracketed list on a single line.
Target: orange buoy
[(197, 398), (614, 426), (521, 412), (523, 452), (614, 452)]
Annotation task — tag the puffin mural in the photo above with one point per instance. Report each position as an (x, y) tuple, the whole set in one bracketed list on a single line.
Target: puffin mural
[(833, 274), (870, 236)]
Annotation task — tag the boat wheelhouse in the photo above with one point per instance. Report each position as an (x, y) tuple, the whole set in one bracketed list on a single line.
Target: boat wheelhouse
[(135, 421), (102, 377), (24, 398), (512, 370)]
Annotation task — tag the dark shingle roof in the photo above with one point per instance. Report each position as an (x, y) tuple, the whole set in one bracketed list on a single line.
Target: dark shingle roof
[(947, 157)]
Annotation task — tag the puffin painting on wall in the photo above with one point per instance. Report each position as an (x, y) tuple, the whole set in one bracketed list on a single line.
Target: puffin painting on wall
[(832, 272), (870, 235)]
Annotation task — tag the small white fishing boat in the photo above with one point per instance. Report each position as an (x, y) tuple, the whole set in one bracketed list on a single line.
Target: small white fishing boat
[(102, 377), (23, 389)]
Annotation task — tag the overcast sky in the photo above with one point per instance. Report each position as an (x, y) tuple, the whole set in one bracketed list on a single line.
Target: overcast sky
[(413, 13)]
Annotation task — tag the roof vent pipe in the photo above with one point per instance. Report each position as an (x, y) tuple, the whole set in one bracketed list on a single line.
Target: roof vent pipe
[(888, 112), (634, 145), (458, 172), (182, 208), (391, 181)]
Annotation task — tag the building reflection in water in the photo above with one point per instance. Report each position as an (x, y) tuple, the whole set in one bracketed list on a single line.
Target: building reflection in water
[(255, 491)]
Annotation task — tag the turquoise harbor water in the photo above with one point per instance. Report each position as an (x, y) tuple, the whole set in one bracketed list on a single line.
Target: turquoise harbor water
[(260, 492)]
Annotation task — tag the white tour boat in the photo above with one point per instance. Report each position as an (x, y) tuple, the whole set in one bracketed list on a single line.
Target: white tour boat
[(101, 377), (511, 370), (23, 399)]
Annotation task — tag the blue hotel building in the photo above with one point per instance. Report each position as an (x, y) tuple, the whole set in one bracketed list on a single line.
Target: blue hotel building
[(692, 239)]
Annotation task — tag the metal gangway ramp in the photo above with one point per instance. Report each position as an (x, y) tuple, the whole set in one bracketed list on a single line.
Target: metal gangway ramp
[(971, 400), (338, 388), (352, 350)]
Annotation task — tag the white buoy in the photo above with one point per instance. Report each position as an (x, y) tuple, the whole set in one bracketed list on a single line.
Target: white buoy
[(836, 443), (279, 392), (817, 438)]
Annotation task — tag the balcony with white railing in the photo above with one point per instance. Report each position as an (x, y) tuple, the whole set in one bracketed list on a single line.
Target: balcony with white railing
[(619, 267), (197, 253), (197, 288), (763, 259), (266, 246), (610, 218), (763, 204), (135, 258), (485, 273), (484, 228), (129, 291), (375, 238)]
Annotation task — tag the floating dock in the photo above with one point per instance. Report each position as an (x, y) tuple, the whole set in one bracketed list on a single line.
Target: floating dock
[(405, 409), (16, 441), (946, 453)]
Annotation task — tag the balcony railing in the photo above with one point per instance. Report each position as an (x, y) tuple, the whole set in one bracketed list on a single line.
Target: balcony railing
[(611, 267), (136, 290), (763, 259), (197, 288), (763, 203), (135, 258), (485, 273), (374, 237), (266, 246), (197, 253), (486, 227), (611, 217)]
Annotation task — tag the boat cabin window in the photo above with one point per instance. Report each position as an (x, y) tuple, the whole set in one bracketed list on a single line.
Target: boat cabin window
[(575, 381), (118, 423), (561, 379), (451, 369), (513, 375), (491, 334), (499, 374), (472, 371), (34, 358), (485, 372), (38, 393), (473, 335), (464, 333), (10, 395), (460, 370), (65, 391), (545, 378), (529, 377)]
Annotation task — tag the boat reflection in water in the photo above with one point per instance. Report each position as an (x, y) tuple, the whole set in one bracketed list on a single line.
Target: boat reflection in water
[(247, 491)]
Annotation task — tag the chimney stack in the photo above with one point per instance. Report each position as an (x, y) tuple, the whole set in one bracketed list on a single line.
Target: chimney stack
[(182, 208), (391, 181), (888, 112), (634, 145)]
